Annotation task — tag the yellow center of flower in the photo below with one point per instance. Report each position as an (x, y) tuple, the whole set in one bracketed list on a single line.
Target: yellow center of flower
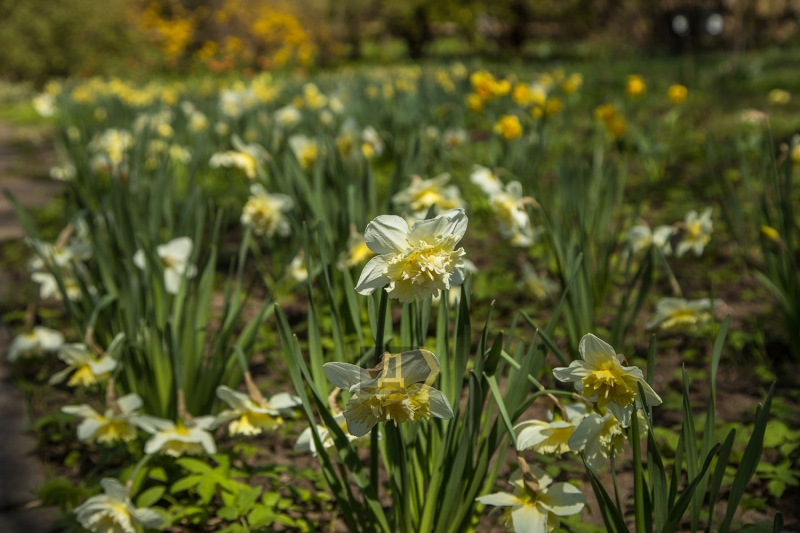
[(359, 254), (252, 423), (308, 155), (557, 441), (608, 385), (83, 377), (261, 214), (176, 448), (390, 401), (611, 437), (424, 270), (684, 318), (114, 430)]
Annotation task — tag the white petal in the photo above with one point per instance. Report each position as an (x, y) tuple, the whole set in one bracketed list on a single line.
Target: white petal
[(344, 375), (283, 401), (586, 431), (359, 428), (623, 414), (530, 434), (88, 428), (595, 351), (304, 441), (114, 489), (372, 276), (235, 399), (139, 259), (148, 518), (529, 519), (386, 234), (414, 366), (562, 499), (172, 280), (498, 499), (49, 339), (207, 440), (155, 443), (451, 222), (83, 411), (130, 403), (576, 371), (179, 249), (440, 407)]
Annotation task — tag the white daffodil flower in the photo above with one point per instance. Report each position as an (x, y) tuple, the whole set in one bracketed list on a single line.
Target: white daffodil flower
[(49, 255), (454, 137), (416, 262), (246, 157), (111, 426), (509, 208), (305, 149), (641, 237), (540, 287), (551, 436), (34, 343), (536, 512), (372, 143), (114, 512), (697, 232), (176, 438), (251, 417), (357, 252), (86, 367), (297, 268), (45, 104), (114, 144), (174, 257), (486, 180), (600, 437), (600, 377), (401, 391), (305, 443), (231, 104), (288, 116), (682, 314), (422, 194), (265, 212), (48, 286)]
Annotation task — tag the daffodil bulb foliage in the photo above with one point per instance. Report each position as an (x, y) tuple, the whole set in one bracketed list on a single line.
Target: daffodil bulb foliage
[(551, 436), (251, 417), (414, 262), (399, 390), (532, 509), (641, 237), (114, 512), (422, 194), (35, 343), (682, 314), (174, 257), (86, 367), (697, 232), (600, 377), (112, 426), (265, 213), (178, 438), (305, 443)]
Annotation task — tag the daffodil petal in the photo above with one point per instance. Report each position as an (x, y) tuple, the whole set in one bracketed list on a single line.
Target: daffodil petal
[(386, 234), (529, 519), (595, 351), (498, 499), (562, 499), (345, 375)]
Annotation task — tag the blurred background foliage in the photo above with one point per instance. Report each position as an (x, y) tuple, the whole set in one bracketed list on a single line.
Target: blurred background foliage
[(42, 39)]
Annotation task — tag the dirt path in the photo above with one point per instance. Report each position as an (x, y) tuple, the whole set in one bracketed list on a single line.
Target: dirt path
[(21, 164)]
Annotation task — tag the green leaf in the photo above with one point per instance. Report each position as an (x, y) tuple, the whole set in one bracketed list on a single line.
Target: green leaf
[(676, 513), (150, 496)]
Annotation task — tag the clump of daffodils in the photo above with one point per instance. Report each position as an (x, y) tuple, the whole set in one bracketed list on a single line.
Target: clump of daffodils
[(421, 195), (112, 145), (248, 158), (114, 512), (35, 343), (416, 262), (697, 232), (536, 502), (682, 314), (265, 214), (641, 237), (251, 416), (174, 257), (398, 390), (115, 424), (87, 368), (178, 438), (600, 377)]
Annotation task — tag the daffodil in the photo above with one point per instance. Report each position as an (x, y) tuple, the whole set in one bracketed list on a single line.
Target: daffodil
[(508, 127), (682, 314), (641, 237), (35, 343), (536, 511), (372, 143), (114, 512), (454, 137), (357, 252), (540, 287), (551, 436), (305, 149), (601, 378), (509, 208), (486, 180), (265, 212), (400, 392), (599, 438), (305, 442), (697, 232), (779, 97), (45, 104), (422, 194), (250, 417), (86, 367), (49, 288), (246, 157), (174, 259), (111, 426), (417, 262), (178, 438), (297, 268), (288, 116), (635, 86), (114, 144), (677, 93)]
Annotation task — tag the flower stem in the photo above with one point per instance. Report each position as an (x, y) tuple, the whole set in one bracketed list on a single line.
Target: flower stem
[(381, 326)]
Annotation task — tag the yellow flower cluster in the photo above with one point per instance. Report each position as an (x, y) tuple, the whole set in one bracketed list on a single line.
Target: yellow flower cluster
[(614, 123)]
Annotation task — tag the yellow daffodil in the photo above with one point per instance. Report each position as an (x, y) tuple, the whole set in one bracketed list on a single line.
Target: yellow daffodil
[(401, 392), (536, 511), (417, 262), (110, 427), (264, 213), (552, 106), (474, 103), (682, 314), (600, 377), (697, 232), (779, 97), (86, 367), (250, 417), (771, 234), (114, 512), (305, 149), (572, 84), (635, 86), (677, 93), (508, 127)]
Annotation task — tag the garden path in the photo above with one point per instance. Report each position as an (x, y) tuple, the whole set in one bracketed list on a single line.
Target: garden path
[(21, 473)]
